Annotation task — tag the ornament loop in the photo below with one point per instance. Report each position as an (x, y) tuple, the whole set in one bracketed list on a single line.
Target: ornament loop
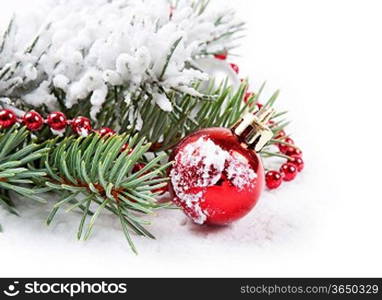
[(252, 129)]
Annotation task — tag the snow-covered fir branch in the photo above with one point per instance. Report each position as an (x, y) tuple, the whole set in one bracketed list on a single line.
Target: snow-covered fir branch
[(85, 48)]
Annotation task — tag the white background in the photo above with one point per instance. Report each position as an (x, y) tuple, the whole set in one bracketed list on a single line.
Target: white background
[(326, 58)]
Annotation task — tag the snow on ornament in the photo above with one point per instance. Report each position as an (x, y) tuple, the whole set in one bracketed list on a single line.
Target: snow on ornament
[(217, 177)]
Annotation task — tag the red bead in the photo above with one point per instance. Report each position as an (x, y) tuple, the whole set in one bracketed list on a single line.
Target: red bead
[(289, 171), (105, 132), (126, 147), (280, 134), (33, 121), (294, 152), (138, 167), (248, 96), (57, 121), (273, 179), (81, 126), (286, 148), (297, 161), (221, 56), (235, 68), (7, 118), (214, 179)]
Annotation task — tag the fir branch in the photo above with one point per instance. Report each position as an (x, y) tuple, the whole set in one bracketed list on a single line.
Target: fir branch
[(17, 155), (93, 172), (15, 163)]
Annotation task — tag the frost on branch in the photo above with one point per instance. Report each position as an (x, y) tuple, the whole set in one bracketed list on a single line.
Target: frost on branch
[(85, 48)]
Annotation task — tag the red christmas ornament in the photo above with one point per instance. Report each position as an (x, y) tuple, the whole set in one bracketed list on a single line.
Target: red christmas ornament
[(81, 126), (57, 121), (215, 179), (33, 121), (289, 171), (7, 118), (235, 68), (105, 132), (273, 179), (297, 161)]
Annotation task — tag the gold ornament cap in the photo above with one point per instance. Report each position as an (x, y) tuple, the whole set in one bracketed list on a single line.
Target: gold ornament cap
[(252, 129)]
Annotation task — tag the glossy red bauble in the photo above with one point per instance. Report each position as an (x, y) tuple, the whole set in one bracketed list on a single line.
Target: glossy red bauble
[(273, 179), (297, 161), (81, 126), (289, 171), (7, 118), (33, 121), (214, 178), (57, 121)]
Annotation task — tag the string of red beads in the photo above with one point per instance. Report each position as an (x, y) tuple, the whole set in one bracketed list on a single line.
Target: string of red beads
[(289, 170), (57, 121), (294, 164)]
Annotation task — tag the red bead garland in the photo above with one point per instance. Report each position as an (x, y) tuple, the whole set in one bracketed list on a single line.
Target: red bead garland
[(33, 121), (280, 134), (248, 96), (221, 56), (105, 132), (273, 179), (291, 168), (289, 171), (57, 121), (287, 148), (235, 68), (7, 118), (81, 125), (297, 161), (294, 152)]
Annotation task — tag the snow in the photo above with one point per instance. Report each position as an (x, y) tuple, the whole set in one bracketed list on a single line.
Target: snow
[(86, 47), (239, 172), (201, 164), (163, 102)]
